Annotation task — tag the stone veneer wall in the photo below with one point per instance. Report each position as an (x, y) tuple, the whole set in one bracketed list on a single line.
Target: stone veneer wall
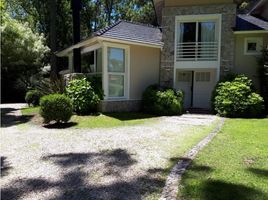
[(228, 12)]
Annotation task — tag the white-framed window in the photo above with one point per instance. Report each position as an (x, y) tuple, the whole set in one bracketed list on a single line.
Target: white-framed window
[(253, 45), (197, 38), (202, 77), (116, 71), (184, 76)]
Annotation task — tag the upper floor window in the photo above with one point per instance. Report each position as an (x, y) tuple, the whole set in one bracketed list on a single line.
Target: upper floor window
[(253, 45), (197, 40)]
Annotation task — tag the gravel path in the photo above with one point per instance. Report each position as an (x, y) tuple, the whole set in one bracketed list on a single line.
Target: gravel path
[(115, 163)]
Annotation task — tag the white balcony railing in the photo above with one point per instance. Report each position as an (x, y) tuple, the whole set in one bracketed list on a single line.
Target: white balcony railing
[(197, 51)]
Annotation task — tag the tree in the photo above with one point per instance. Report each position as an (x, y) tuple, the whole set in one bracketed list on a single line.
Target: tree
[(22, 53)]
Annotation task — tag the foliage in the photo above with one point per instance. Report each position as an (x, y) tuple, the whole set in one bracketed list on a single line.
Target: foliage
[(161, 101), (96, 83), (237, 99), (94, 15), (263, 74), (56, 107), (32, 97), (49, 86), (83, 96), (22, 53)]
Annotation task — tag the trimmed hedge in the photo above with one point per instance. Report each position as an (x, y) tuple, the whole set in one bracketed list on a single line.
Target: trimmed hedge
[(82, 95), (56, 107), (160, 101), (236, 98), (32, 97)]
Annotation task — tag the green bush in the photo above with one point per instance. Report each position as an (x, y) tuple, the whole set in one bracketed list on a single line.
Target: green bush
[(96, 83), (161, 101), (56, 107), (237, 98), (82, 95), (32, 97)]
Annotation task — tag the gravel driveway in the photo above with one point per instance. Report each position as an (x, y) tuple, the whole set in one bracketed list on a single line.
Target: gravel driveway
[(114, 163)]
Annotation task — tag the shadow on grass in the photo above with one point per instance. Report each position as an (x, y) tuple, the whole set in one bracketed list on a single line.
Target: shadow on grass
[(211, 189), (5, 166), (60, 125), (259, 172), (78, 168), (125, 116), (220, 190), (9, 119)]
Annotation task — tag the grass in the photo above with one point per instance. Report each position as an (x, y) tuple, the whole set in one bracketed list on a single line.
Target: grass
[(106, 120), (233, 166)]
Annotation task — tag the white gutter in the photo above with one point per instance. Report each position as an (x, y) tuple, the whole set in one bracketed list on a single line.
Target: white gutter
[(251, 32), (134, 42)]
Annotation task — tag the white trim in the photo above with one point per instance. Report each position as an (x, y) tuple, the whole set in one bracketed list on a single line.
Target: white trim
[(259, 44), (64, 52), (90, 48), (197, 18), (134, 42), (126, 74), (251, 32)]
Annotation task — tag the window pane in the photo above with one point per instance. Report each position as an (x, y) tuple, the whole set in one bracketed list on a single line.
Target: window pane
[(99, 60), (206, 32), (188, 38), (116, 85), (203, 76), (116, 60), (187, 32), (87, 62), (184, 76)]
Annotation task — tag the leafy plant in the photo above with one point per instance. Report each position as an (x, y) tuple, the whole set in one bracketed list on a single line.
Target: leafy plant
[(161, 101), (96, 83), (82, 95), (237, 99), (50, 86), (32, 97), (56, 107)]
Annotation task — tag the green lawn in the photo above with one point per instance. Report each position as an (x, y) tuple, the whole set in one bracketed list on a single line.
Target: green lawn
[(233, 166), (99, 120)]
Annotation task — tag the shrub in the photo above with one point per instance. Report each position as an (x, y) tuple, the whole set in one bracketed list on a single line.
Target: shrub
[(32, 97), (56, 107), (161, 101), (96, 83), (82, 95), (237, 99)]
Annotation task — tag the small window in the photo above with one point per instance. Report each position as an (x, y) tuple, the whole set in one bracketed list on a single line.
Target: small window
[(253, 46), (202, 76), (184, 76)]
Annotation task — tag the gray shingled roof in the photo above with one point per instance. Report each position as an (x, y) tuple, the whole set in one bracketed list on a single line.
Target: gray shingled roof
[(255, 21), (131, 31)]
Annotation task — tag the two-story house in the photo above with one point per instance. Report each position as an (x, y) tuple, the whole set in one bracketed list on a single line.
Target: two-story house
[(196, 44)]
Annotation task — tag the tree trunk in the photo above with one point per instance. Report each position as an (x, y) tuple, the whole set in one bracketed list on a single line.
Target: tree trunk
[(53, 37)]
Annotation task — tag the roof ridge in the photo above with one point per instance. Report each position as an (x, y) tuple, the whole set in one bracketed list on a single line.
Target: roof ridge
[(139, 23), (107, 28)]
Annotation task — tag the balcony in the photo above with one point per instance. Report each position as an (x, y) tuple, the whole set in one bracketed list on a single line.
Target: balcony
[(196, 51)]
